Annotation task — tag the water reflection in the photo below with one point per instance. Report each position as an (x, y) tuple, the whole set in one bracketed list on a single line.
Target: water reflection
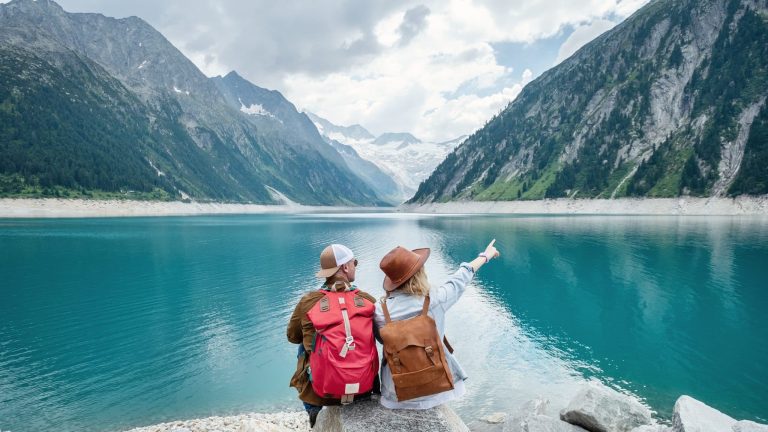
[(618, 291), (124, 322)]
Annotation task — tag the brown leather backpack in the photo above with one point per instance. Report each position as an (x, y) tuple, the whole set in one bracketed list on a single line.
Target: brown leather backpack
[(415, 355)]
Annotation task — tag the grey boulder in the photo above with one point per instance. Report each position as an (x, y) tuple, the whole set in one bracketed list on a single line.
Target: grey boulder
[(653, 428), (370, 416), (517, 420), (542, 423), (491, 423), (749, 426), (598, 408), (691, 415), (531, 417)]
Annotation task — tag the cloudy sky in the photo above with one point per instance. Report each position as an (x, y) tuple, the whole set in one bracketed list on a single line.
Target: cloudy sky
[(437, 69)]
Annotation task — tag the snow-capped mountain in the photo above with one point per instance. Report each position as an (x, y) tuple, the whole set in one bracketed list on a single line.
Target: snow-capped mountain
[(407, 159)]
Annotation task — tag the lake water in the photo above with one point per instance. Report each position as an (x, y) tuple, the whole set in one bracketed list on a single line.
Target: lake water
[(113, 323)]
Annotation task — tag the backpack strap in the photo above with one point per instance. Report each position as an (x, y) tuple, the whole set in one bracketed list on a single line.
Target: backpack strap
[(384, 309), (425, 307), (349, 342), (447, 345), (340, 286)]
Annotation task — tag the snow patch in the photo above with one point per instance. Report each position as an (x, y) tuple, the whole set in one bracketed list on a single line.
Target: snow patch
[(178, 90), (407, 164), (144, 63), (256, 109)]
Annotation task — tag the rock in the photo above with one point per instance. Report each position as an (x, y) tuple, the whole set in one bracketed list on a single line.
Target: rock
[(691, 415), (252, 425), (653, 428), (749, 426), (531, 417), (484, 426), (491, 423), (370, 416), (494, 418), (598, 408), (541, 423), (518, 420)]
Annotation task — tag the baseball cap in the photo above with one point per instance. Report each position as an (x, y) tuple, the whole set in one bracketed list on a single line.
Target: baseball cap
[(333, 257)]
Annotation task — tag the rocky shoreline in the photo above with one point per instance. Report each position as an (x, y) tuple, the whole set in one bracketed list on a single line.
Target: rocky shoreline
[(596, 408), (251, 422), (743, 205), (79, 208)]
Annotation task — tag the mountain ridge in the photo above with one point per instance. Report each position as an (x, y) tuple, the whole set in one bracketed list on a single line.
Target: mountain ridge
[(202, 146), (401, 156), (649, 108)]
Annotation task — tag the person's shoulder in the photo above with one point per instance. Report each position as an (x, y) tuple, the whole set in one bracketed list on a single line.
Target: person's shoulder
[(367, 296), (312, 295), (309, 299)]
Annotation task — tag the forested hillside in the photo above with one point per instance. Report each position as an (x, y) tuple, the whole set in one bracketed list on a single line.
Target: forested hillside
[(670, 102), (104, 107)]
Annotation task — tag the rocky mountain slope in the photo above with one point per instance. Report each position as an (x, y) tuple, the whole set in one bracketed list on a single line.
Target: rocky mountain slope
[(91, 103), (403, 157), (382, 183), (670, 102)]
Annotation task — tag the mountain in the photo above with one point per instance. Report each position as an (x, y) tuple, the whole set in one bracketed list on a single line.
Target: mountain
[(401, 156), (383, 184), (356, 131), (670, 102), (400, 138), (91, 105)]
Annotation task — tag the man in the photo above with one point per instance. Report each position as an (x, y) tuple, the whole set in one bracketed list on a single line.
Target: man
[(337, 266)]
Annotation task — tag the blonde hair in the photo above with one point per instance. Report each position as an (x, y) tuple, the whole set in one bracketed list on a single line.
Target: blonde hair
[(417, 284)]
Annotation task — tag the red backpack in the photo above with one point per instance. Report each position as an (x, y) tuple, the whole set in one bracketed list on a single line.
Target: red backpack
[(343, 361)]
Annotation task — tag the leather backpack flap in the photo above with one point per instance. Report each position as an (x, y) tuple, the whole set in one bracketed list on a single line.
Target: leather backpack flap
[(406, 344), (416, 357)]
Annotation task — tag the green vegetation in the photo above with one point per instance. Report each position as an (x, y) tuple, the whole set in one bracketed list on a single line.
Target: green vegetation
[(753, 175), (594, 111), (16, 186), (737, 76), (56, 138)]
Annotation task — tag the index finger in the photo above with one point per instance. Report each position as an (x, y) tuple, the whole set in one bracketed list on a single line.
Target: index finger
[(492, 242)]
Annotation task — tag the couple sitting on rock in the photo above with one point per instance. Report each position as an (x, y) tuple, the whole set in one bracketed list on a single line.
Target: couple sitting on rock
[(336, 325)]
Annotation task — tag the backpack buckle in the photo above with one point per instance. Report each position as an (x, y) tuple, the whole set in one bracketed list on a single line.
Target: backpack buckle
[(349, 345)]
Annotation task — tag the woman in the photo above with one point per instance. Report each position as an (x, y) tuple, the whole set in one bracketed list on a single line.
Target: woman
[(407, 285)]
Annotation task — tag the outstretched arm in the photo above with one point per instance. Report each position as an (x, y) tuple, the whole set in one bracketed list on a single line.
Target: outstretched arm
[(449, 293)]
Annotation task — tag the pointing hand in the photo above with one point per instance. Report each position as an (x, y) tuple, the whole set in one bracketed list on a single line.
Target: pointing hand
[(491, 251)]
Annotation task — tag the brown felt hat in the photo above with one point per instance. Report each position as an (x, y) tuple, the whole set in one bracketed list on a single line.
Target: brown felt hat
[(400, 264)]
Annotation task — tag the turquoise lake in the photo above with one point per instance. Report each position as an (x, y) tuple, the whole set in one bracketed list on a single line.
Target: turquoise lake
[(107, 324)]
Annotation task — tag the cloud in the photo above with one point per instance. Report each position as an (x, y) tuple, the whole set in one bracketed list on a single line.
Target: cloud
[(581, 35), (429, 69), (414, 21)]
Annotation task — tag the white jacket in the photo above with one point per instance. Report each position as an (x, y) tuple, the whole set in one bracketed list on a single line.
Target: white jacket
[(403, 306)]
